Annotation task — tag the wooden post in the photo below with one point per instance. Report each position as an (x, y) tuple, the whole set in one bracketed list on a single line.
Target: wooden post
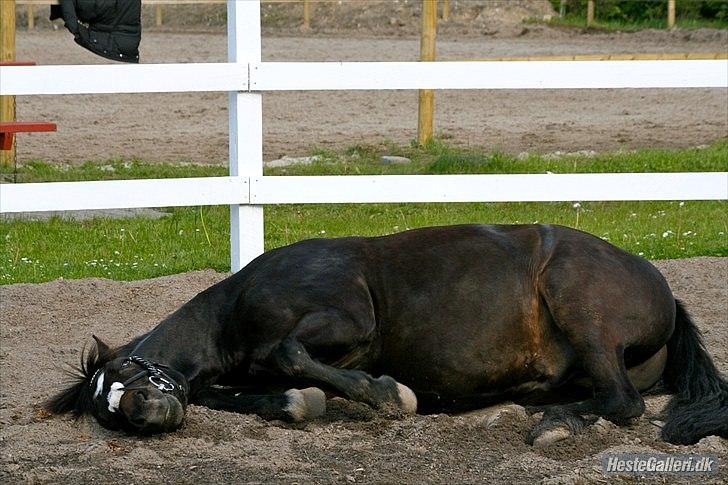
[(427, 54), (158, 19), (670, 14), (589, 13), (445, 10), (306, 14), (562, 8), (7, 53), (31, 16)]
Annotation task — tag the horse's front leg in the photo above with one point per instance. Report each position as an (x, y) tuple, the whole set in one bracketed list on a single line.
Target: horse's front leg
[(292, 359), (292, 405)]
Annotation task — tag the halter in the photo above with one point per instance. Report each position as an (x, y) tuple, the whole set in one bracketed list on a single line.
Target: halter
[(156, 376)]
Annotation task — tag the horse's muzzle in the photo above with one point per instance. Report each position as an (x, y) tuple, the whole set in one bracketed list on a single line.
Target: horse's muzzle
[(151, 411)]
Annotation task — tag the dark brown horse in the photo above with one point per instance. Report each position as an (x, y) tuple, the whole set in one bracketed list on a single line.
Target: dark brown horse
[(460, 317)]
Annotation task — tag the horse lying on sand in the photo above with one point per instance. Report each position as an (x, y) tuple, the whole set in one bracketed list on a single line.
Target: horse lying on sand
[(450, 318)]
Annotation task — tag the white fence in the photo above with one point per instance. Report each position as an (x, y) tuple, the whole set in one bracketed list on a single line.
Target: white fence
[(245, 77)]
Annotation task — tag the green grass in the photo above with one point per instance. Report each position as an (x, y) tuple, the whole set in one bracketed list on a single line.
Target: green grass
[(574, 21), (195, 238)]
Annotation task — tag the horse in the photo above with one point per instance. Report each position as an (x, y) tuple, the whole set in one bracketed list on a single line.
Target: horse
[(440, 319)]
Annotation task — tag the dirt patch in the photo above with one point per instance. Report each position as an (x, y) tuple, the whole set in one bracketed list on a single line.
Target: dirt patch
[(193, 126), (45, 324)]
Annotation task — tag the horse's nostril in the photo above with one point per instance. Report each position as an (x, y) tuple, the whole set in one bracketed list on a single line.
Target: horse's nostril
[(137, 421)]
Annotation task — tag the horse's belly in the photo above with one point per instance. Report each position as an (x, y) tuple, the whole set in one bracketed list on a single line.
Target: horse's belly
[(491, 360)]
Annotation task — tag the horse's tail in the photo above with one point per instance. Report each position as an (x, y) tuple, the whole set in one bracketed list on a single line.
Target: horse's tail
[(699, 406)]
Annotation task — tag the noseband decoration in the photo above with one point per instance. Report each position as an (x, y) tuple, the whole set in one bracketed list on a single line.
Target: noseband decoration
[(155, 375)]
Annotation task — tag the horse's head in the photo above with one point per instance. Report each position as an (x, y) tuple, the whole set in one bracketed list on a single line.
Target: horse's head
[(124, 392)]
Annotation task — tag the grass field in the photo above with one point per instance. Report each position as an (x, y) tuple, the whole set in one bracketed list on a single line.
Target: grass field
[(198, 237), (620, 26)]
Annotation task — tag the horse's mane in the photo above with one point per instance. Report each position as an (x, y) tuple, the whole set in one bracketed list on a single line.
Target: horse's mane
[(77, 398)]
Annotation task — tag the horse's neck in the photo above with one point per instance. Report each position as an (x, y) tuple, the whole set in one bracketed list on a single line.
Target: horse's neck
[(189, 339)]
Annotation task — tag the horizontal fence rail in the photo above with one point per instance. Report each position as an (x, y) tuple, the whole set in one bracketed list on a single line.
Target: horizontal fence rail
[(126, 194), (277, 76), (488, 188), (123, 78), (295, 76), (265, 190)]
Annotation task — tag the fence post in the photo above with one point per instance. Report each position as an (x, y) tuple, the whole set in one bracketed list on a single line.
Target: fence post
[(670, 14), (445, 10), (31, 16), (589, 13), (562, 8), (427, 53), (158, 19), (245, 132), (7, 53), (306, 14)]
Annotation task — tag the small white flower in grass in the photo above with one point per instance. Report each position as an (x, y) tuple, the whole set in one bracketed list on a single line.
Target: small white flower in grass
[(721, 233), (634, 214), (181, 231), (667, 233), (640, 253), (687, 233), (682, 204), (117, 253), (576, 205), (322, 231)]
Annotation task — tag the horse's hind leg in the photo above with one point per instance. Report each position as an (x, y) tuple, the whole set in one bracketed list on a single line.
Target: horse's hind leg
[(595, 334), (330, 333), (292, 405), (615, 398)]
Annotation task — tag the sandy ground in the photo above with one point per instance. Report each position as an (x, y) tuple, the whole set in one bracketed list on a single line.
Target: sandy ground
[(193, 126), (46, 324)]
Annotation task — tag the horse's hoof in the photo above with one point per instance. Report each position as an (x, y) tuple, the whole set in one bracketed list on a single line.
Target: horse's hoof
[(407, 399), (306, 403), (551, 436)]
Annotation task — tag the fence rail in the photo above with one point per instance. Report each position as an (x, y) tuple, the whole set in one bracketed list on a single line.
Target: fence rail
[(300, 76), (245, 77)]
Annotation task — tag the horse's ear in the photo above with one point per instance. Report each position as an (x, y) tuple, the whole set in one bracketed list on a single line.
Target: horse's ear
[(103, 350)]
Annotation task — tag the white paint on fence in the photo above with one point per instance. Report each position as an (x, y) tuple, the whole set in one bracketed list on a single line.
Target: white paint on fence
[(278, 76), (245, 77), (246, 72), (245, 133), (488, 188), (126, 78), (113, 194)]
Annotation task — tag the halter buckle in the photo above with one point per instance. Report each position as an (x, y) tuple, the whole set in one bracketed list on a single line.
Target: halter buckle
[(161, 383)]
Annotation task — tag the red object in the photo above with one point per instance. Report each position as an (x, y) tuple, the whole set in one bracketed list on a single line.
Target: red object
[(17, 63), (8, 129)]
